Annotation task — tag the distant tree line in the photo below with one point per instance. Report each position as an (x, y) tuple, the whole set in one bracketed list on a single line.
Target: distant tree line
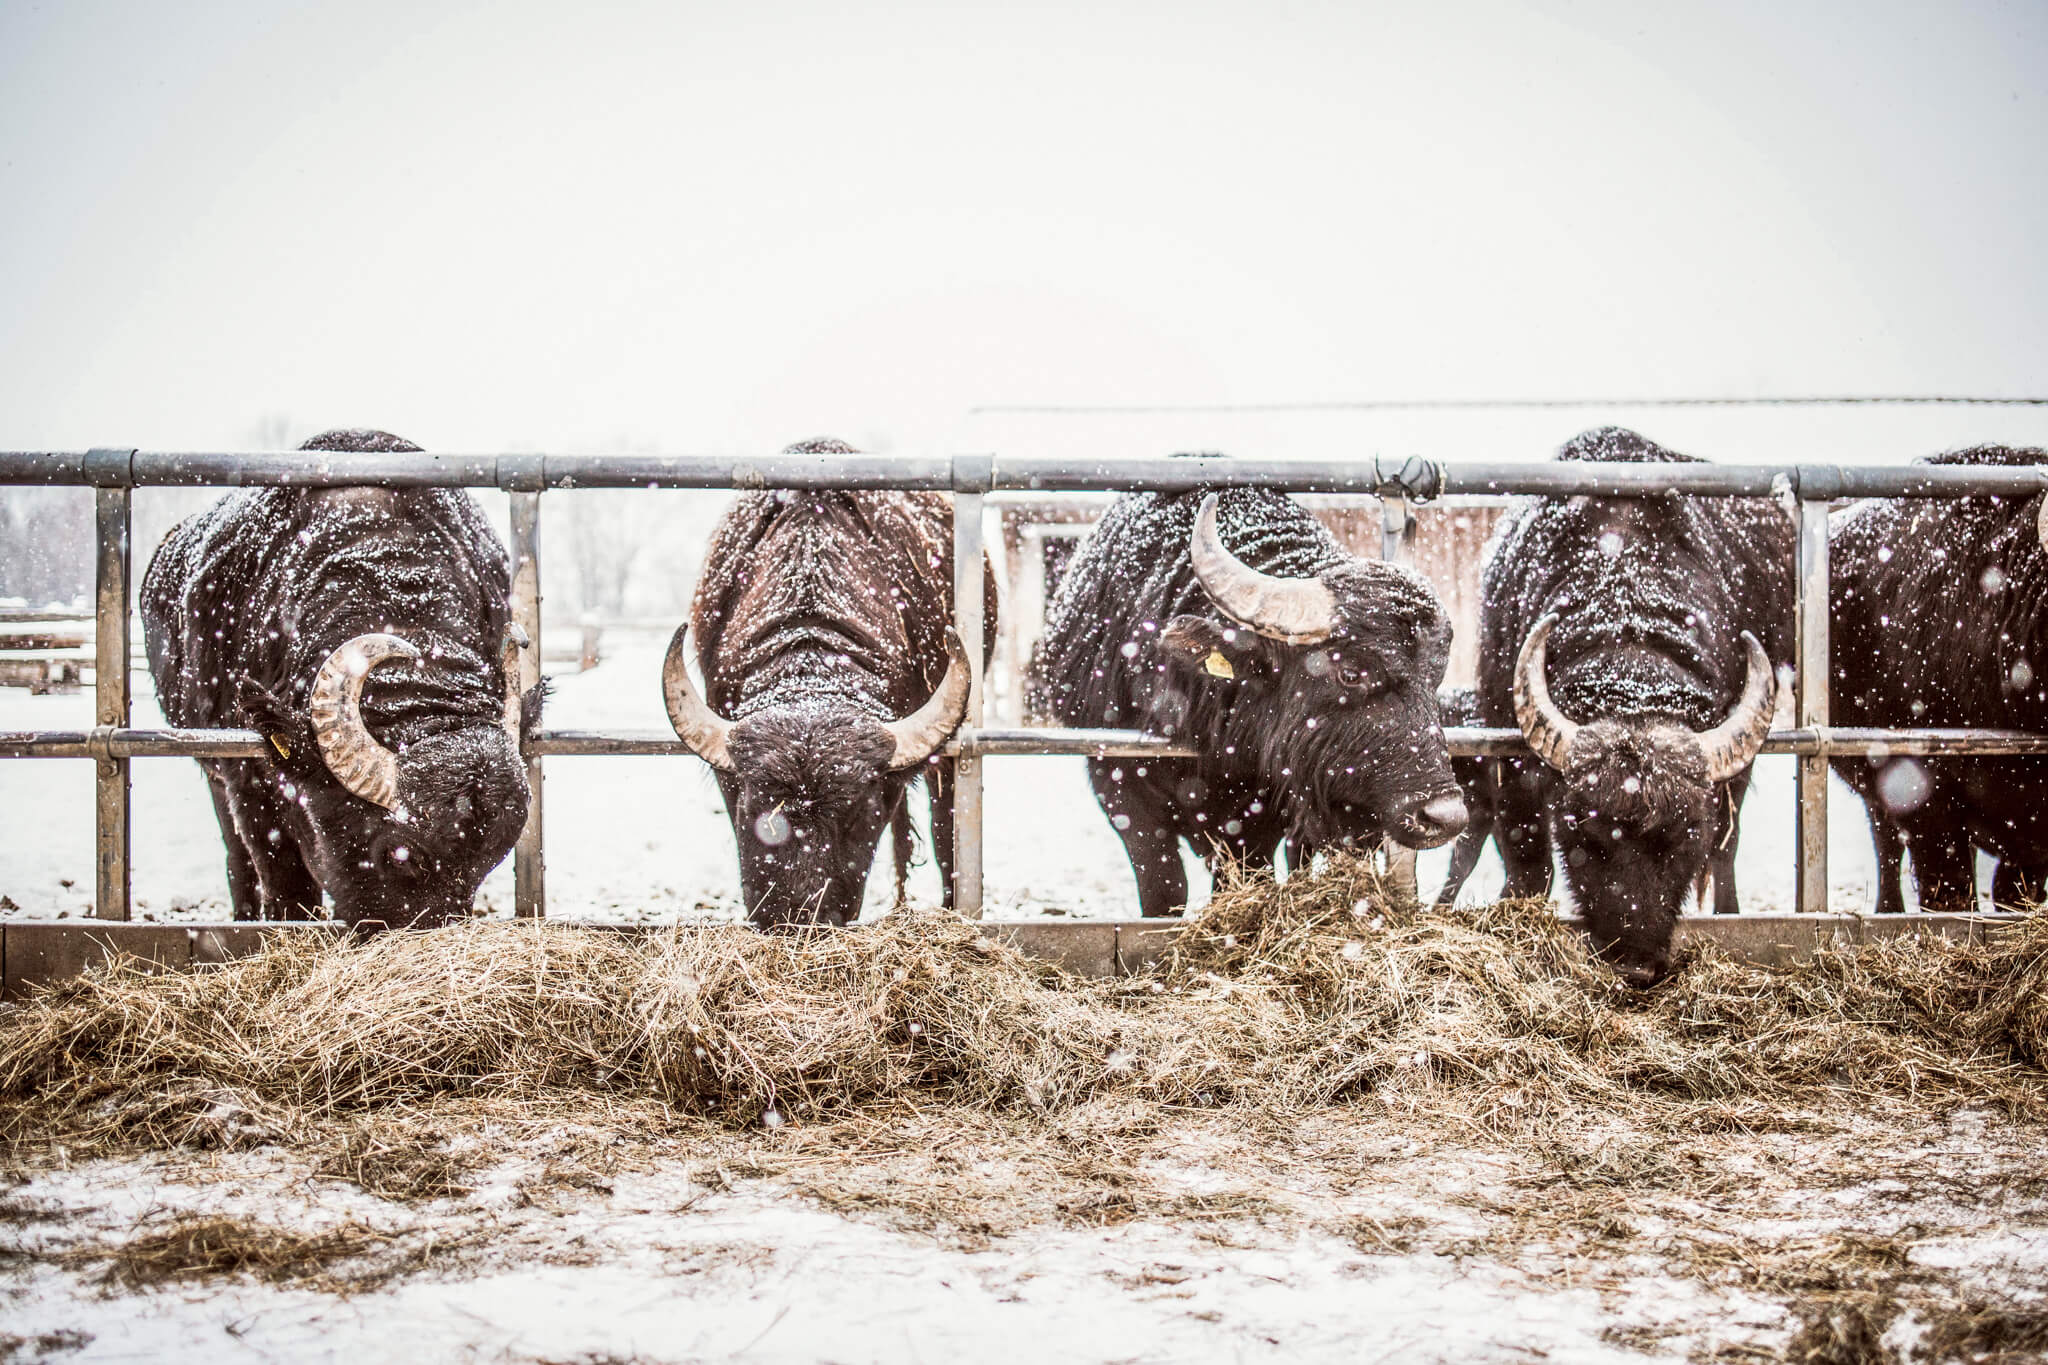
[(46, 544)]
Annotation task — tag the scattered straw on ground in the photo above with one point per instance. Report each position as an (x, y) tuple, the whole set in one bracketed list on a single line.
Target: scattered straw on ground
[(915, 1070), (201, 1246)]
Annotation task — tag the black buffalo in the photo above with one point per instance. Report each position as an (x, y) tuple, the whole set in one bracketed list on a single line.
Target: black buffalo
[(832, 676), (1937, 611), (1305, 675), (392, 791), (1633, 641)]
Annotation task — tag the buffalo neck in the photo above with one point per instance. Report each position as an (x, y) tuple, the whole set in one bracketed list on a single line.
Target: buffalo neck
[(824, 596)]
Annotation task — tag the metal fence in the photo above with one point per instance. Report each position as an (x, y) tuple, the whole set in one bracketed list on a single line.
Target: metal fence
[(113, 474)]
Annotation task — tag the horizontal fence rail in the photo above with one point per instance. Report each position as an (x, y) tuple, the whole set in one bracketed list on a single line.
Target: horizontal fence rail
[(989, 474), (1029, 741), (1807, 490)]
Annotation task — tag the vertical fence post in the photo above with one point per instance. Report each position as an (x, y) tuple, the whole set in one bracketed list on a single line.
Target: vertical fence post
[(971, 477), (112, 503), (1816, 487), (529, 871), (1397, 537)]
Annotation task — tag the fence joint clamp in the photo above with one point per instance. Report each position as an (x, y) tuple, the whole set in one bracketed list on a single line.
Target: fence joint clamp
[(99, 743), (110, 468), (973, 473), (522, 473), (1817, 482), (1414, 478)]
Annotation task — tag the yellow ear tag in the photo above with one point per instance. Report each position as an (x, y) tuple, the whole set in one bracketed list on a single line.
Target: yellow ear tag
[(1217, 666), (277, 743)]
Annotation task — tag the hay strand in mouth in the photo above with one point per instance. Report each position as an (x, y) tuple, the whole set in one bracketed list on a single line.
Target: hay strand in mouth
[(1278, 999)]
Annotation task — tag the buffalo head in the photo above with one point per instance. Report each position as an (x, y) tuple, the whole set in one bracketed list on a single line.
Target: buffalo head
[(1640, 807), (398, 838), (810, 786), (1337, 678)]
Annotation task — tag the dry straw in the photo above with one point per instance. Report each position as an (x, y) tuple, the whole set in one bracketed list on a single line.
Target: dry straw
[(1279, 999)]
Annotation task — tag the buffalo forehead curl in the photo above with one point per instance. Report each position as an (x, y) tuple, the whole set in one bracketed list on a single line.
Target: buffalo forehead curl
[(1723, 751), (335, 711), (1377, 598), (914, 738)]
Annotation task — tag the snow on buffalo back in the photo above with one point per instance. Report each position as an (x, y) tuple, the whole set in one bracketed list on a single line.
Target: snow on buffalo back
[(828, 597), (1652, 594), (1939, 607), (268, 581)]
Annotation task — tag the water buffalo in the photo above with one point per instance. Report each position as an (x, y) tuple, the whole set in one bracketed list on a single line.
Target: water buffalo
[(366, 633), (1633, 641), (1937, 607), (1305, 675), (832, 675)]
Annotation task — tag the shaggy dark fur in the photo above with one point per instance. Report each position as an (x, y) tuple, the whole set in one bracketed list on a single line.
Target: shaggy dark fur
[(1652, 596), (1324, 745), (240, 607), (1938, 620), (819, 616)]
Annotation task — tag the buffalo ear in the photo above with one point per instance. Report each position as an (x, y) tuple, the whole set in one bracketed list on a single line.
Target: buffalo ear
[(1213, 649), (529, 709), (263, 711)]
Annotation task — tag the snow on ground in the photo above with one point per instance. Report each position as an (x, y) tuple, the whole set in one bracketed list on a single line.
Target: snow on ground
[(648, 839), (660, 1271), (1402, 1251)]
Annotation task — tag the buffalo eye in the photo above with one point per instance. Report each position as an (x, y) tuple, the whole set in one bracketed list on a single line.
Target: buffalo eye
[(1351, 675), (395, 853)]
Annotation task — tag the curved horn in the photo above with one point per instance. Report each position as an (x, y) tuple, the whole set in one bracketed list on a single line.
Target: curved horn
[(696, 724), (364, 766), (515, 640), (919, 734), (1299, 611), (1549, 731), (1729, 746), (2041, 523)]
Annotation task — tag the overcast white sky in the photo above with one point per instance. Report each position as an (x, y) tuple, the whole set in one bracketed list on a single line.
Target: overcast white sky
[(698, 227)]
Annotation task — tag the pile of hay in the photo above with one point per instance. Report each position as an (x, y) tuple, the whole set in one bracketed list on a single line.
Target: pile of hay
[(1278, 1000), (1506, 1008)]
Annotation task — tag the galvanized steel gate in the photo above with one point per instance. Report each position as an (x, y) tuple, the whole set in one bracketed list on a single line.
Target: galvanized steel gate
[(113, 474)]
